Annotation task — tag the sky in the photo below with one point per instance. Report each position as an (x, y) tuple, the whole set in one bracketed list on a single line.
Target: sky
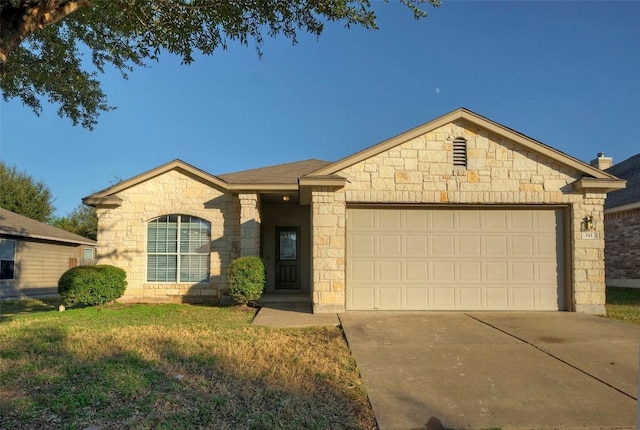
[(564, 73)]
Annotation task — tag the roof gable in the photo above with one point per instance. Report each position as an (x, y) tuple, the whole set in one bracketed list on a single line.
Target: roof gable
[(475, 119), (107, 196), (14, 224)]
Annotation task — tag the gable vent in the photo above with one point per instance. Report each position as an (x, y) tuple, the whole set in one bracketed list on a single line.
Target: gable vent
[(460, 152)]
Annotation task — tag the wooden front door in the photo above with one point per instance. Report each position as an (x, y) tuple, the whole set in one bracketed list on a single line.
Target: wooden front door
[(287, 258)]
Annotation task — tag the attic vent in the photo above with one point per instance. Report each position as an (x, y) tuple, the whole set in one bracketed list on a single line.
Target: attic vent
[(460, 152)]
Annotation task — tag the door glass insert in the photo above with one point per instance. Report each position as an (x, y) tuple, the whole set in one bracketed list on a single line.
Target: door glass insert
[(288, 245)]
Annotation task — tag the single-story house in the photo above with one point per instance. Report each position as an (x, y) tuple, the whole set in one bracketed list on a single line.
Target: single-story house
[(458, 213), (33, 256), (622, 227)]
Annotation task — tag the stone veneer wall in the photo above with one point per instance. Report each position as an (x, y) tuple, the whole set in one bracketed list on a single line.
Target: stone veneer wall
[(622, 251), (122, 234), (328, 221), (498, 172), (249, 224)]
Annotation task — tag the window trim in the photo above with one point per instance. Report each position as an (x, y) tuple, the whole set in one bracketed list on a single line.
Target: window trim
[(13, 261), (178, 253)]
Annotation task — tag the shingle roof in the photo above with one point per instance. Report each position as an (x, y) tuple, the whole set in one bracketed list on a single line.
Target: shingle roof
[(628, 169), (288, 173), (15, 224)]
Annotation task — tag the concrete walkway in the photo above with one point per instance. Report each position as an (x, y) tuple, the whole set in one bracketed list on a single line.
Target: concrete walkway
[(427, 370), (292, 315)]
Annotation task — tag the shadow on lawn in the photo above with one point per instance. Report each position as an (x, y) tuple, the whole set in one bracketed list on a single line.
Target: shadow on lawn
[(47, 383)]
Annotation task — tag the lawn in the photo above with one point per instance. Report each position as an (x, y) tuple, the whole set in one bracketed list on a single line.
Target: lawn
[(172, 367), (624, 304)]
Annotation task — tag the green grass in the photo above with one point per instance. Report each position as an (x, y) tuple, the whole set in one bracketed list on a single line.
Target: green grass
[(172, 367), (624, 304)]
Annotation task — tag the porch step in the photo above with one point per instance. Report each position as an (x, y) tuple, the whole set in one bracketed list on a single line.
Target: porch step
[(284, 298)]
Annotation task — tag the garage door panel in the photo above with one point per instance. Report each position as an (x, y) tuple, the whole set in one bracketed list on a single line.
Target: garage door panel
[(362, 244), (361, 298), (417, 271), (444, 298), (389, 298), (470, 298), (442, 245), (449, 259), (497, 297), (495, 245), (416, 298), (469, 271), (443, 271), (390, 245), (469, 245), (389, 271)]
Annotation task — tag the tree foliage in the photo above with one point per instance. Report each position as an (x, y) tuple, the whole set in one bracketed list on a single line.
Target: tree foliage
[(82, 221), (22, 194), (42, 41)]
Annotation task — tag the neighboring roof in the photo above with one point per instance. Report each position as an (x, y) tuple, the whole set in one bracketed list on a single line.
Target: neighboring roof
[(628, 169), (14, 224), (474, 118), (288, 173)]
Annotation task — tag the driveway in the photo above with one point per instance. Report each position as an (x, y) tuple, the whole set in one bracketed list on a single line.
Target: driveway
[(434, 370)]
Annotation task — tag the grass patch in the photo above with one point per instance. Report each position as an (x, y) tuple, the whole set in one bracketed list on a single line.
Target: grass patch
[(172, 367), (624, 304)]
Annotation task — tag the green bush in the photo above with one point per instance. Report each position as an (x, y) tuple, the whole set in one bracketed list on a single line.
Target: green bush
[(245, 279), (92, 285)]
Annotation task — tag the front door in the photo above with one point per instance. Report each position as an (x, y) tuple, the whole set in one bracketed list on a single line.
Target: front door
[(287, 258)]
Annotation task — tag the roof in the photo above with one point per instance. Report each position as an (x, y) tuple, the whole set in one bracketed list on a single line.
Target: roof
[(473, 118), (628, 169), (291, 177), (14, 224), (288, 173)]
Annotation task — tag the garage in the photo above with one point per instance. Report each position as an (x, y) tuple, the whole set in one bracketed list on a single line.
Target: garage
[(451, 258)]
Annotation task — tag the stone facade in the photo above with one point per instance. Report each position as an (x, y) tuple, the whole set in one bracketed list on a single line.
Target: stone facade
[(122, 233), (498, 171), (622, 253)]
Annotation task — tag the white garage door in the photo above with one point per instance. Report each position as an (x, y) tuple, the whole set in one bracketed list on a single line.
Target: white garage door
[(454, 259)]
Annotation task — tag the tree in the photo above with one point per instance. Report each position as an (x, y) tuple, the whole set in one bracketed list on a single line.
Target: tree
[(42, 41), (82, 221), (22, 194)]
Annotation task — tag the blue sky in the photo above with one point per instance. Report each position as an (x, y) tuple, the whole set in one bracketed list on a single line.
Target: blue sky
[(564, 73)]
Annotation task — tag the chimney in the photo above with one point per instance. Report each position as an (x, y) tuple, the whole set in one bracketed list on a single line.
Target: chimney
[(602, 162)]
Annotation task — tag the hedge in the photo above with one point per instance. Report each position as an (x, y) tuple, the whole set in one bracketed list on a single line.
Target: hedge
[(92, 285)]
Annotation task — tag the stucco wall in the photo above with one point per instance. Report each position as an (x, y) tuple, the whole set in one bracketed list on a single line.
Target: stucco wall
[(622, 251), (122, 233), (498, 172)]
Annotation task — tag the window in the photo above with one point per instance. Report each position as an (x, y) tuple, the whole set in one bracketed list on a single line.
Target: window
[(178, 249), (88, 253), (7, 258), (460, 152)]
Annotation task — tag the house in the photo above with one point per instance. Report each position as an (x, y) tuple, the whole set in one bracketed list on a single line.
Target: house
[(33, 256), (458, 213), (622, 225)]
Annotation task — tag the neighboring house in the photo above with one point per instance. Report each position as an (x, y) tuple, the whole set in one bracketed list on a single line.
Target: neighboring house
[(33, 256), (459, 213), (622, 227)]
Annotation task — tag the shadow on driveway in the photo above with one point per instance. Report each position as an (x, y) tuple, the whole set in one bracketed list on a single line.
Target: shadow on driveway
[(434, 370)]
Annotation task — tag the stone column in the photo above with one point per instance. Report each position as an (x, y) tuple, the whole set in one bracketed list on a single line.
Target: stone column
[(249, 224), (588, 255), (328, 223)]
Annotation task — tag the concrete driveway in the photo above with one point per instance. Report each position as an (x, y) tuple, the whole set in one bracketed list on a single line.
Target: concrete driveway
[(434, 370)]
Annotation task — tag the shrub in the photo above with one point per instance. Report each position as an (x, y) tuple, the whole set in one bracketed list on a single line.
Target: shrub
[(92, 285), (245, 279)]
